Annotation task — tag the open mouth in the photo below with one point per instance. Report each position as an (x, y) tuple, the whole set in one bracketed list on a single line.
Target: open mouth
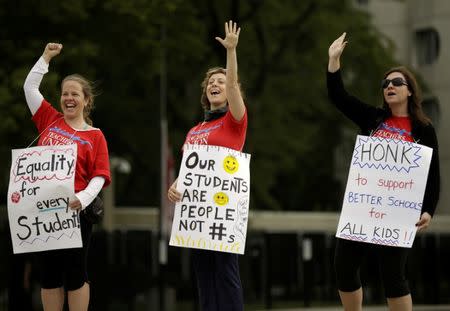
[(70, 106), (215, 92), (391, 94)]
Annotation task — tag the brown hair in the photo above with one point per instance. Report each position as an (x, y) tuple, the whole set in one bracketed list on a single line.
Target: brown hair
[(89, 92), (415, 110), (204, 98)]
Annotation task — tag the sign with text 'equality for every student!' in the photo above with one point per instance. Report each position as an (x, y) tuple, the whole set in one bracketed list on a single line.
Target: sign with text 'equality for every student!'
[(213, 211), (40, 185), (385, 190)]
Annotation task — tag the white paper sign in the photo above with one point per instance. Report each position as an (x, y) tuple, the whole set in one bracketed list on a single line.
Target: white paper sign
[(213, 213), (385, 189), (41, 183)]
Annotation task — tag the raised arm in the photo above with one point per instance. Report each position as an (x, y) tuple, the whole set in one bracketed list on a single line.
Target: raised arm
[(353, 108), (31, 86), (335, 52), (234, 96)]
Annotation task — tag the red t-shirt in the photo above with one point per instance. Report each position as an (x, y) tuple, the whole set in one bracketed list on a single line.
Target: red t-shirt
[(92, 155), (224, 131), (395, 128)]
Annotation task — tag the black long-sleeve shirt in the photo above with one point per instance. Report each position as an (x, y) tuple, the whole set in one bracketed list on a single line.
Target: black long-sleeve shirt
[(368, 118)]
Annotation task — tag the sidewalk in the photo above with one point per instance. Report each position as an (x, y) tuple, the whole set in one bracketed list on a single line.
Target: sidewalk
[(371, 308)]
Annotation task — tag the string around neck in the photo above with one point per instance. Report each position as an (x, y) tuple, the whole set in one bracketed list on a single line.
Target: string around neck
[(37, 137)]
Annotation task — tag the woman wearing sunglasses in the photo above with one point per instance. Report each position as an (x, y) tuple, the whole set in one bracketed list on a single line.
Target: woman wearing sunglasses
[(400, 117)]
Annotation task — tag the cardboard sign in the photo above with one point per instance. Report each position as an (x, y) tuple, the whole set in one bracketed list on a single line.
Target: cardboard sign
[(385, 189), (213, 212), (40, 186)]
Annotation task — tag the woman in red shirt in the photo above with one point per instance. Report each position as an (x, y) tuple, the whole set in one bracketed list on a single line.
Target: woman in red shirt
[(225, 124), (66, 268)]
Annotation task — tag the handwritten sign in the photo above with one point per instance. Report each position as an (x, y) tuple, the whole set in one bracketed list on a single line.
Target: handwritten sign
[(40, 186), (213, 212), (385, 189)]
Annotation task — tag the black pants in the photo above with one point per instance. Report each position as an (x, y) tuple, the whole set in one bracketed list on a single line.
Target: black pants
[(20, 291), (218, 280), (391, 260), (66, 267)]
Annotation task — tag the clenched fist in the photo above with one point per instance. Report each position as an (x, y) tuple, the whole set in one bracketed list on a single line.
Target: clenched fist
[(51, 50)]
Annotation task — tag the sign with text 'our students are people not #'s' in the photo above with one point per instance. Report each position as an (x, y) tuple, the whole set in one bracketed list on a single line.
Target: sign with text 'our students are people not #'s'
[(40, 186), (384, 193), (213, 212)]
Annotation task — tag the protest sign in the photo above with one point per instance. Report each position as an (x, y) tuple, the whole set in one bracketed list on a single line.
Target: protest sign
[(40, 186), (213, 212), (384, 193)]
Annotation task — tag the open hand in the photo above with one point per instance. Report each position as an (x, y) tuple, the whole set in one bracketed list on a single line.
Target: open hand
[(231, 35), (337, 47)]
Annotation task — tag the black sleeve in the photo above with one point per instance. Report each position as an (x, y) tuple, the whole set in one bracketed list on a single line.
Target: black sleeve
[(354, 109), (433, 187)]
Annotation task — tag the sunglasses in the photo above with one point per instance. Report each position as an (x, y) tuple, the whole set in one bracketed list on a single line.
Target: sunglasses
[(395, 82)]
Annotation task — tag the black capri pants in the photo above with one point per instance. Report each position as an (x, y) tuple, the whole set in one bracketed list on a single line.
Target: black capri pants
[(218, 280), (391, 261), (66, 267)]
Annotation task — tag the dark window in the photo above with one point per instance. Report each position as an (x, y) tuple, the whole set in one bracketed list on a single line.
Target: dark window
[(427, 46), (431, 108)]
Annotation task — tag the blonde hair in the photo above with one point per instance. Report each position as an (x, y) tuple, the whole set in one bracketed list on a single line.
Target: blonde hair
[(89, 92)]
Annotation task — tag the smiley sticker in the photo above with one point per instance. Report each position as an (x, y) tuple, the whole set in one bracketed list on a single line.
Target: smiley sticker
[(221, 198), (230, 164)]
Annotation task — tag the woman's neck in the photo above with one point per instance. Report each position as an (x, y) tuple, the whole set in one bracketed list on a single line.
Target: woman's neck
[(400, 111), (215, 107), (76, 123)]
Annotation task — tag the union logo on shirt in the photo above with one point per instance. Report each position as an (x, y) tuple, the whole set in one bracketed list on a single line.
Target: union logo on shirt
[(392, 132), (201, 139), (200, 136), (58, 136)]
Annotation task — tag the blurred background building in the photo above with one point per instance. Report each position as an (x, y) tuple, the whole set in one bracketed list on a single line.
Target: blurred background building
[(420, 31)]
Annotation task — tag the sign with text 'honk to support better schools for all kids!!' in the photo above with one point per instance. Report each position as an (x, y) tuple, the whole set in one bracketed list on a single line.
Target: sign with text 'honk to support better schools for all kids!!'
[(41, 183), (213, 212), (385, 190)]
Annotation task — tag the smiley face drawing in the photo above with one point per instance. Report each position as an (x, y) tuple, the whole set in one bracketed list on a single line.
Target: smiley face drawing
[(230, 164), (221, 198)]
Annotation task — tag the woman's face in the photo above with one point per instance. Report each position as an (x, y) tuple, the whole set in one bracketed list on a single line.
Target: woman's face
[(215, 90), (396, 95), (72, 99)]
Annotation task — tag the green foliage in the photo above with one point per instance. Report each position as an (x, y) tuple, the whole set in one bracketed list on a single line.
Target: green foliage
[(282, 55)]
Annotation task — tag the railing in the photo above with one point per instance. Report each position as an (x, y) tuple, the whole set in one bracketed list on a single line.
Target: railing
[(288, 254), (264, 221)]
